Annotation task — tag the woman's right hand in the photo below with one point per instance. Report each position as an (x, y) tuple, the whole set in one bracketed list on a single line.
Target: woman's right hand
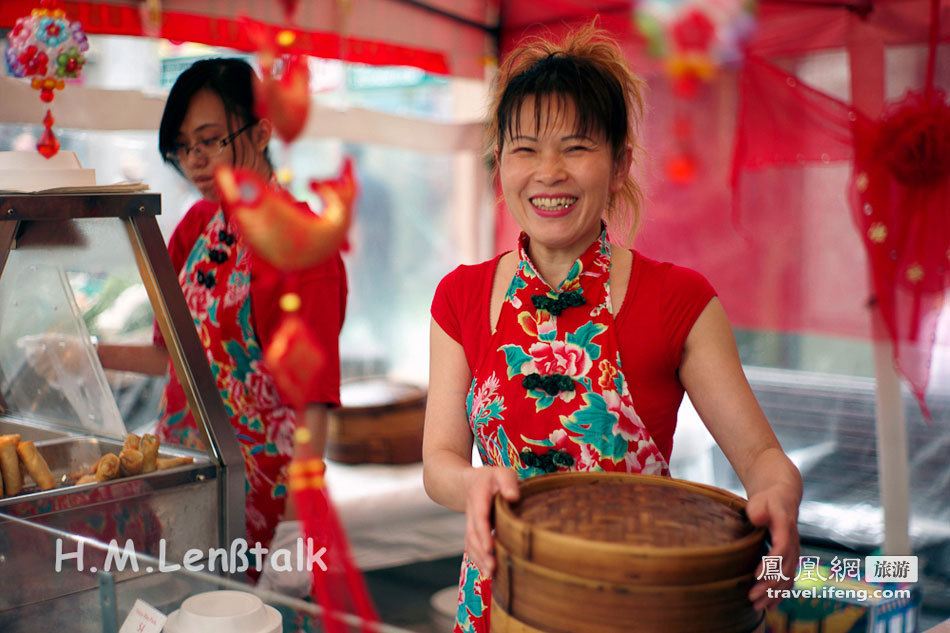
[(484, 483)]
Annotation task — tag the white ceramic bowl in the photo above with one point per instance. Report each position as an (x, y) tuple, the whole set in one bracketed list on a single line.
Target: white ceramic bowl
[(224, 612)]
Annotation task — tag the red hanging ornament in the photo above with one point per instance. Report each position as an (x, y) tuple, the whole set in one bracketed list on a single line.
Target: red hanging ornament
[(284, 99), (277, 228), (294, 358), (46, 47), (48, 144)]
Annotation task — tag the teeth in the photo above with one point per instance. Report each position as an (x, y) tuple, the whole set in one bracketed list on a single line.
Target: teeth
[(553, 203)]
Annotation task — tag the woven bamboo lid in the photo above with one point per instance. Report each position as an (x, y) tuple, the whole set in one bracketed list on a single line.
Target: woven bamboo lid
[(635, 513), (630, 528)]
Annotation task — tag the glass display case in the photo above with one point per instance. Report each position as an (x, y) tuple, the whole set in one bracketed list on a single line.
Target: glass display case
[(61, 256)]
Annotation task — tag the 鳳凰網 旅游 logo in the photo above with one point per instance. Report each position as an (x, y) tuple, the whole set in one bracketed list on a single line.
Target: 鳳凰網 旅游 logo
[(840, 578)]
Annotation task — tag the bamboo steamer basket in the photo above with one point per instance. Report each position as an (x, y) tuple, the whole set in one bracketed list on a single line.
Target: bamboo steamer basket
[(380, 422), (614, 552)]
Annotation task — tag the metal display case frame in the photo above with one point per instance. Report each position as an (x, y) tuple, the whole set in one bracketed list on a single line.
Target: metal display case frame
[(198, 505)]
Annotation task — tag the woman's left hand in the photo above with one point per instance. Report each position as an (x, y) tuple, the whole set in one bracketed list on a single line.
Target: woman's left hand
[(776, 508)]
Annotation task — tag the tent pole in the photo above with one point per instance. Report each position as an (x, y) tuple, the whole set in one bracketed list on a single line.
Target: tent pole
[(866, 58)]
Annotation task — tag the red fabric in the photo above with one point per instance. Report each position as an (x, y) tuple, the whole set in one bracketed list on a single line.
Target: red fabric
[(898, 192), (322, 290), (662, 303), (110, 19), (901, 201)]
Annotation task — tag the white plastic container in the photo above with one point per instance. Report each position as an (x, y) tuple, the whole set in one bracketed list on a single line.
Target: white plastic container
[(224, 612)]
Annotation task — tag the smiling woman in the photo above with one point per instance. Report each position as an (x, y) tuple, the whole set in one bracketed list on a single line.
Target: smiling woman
[(572, 353)]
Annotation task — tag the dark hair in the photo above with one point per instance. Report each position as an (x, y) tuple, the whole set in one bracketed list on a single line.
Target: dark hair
[(588, 70), (231, 79)]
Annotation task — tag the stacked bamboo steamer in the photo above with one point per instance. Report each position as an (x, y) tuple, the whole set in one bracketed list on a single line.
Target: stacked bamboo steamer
[(380, 422), (615, 552)]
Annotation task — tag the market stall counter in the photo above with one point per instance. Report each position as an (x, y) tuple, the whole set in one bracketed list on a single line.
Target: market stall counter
[(71, 458)]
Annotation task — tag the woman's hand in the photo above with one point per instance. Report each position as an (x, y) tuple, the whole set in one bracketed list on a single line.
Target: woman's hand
[(483, 484), (776, 508)]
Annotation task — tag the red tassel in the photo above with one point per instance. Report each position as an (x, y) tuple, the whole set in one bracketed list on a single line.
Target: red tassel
[(321, 523)]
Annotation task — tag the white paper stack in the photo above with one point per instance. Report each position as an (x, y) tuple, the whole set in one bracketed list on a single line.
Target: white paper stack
[(24, 172)]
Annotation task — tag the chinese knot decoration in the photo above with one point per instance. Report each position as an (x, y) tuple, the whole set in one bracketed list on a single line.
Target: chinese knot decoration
[(48, 48)]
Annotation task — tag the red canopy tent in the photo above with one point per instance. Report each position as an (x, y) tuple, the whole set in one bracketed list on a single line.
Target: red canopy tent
[(776, 236)]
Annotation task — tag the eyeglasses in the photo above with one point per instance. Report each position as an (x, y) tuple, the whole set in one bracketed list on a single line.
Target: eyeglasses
[(207, 147)]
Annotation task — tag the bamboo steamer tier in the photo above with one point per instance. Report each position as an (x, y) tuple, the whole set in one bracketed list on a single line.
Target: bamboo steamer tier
[(615, 552), (380, 422)]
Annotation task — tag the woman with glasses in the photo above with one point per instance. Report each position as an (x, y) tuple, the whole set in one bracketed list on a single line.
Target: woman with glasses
[(234, 296)]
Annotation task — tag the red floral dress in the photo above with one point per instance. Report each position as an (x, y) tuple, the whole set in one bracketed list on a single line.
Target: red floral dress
[(215, 280), (550, 395)]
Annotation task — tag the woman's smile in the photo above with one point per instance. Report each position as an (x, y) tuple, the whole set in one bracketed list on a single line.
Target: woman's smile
[(553, 206)]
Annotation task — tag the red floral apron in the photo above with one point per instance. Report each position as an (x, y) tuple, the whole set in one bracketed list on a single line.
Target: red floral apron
[(550, 394), (216, 283)]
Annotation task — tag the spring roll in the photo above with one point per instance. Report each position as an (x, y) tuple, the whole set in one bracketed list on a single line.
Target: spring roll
[(92, 469), (86, 479), (108, 467), (10, 465), (149, 448), (132, 441), (130, 462), (1, 484), (170, 462), (36, 465)]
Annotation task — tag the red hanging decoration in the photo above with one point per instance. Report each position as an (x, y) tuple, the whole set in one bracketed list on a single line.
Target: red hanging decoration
[(293, 356), (277, 228), (283, 95), (48, 145), (290, 237), (48, 48)]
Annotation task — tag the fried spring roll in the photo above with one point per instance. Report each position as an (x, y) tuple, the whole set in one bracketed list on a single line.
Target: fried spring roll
[(130, 462), (108, 468), (86, 479), (10, 465), (149, 448), (170, 462), (36, 465), (92, 469), (132, 441)]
